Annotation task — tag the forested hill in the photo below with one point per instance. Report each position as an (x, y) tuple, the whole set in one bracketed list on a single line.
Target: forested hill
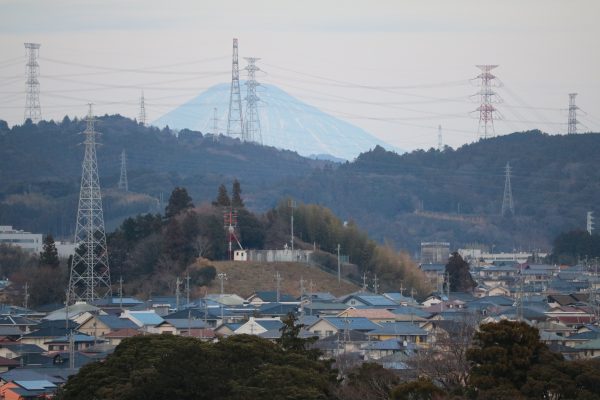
[(453, 195), (40, 170), (456, 195)]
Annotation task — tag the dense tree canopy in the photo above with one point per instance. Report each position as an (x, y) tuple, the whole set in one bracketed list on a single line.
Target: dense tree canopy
[(459, 275), (179, 201), (164, 367), (574, 246), (49, 254)]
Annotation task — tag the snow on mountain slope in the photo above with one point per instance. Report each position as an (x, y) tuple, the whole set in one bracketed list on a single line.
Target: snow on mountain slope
[(286, 123)]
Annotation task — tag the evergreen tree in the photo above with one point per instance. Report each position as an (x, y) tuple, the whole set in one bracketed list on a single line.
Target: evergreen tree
[(236, 195), (459, 275), (49, 255), (179, 201), (222, 198)]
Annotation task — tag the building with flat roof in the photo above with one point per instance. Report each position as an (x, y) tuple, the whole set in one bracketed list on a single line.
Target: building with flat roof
[(27, 241), (435, 252)]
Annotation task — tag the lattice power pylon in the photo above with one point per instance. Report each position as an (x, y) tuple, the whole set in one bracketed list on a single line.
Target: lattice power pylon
[(252, 121), (572, 127), (487, 98), (507, 199), (33, 109), (235, 122), (142, 116), (90, 274), (123, 185)]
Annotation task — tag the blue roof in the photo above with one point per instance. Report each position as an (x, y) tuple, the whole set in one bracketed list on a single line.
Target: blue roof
[(399, 328), (78, 338), (390, 344), (356, 324), (271, 296), (372, 299), (114, 322), (408, 310), (270, 324), (35, 384), (146, 318), (181, 323)]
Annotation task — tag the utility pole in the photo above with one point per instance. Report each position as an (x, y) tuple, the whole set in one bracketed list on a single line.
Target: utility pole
[(33, 109), (90, 274), (507, 199), (487, 97), (222, 277), (235, 124), (121, 292), (590, 222), (26, 299), (177, 293), (572, 126), (339, 270), (364, 280), (278, 280), (292, 205), (376, 284), (123, 185), (187, 290)]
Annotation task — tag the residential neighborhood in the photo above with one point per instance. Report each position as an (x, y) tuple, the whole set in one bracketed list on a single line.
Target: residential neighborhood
[(40, 349)]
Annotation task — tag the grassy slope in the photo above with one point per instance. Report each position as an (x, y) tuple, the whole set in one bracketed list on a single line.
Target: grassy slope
[(244, 278)]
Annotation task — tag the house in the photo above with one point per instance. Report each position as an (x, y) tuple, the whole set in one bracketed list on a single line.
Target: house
[(277, 309), (368, 299), (225, 330), (265, 296), (384, 348), (590, 349), (116, 337), (8, 364), (341, 343), (80, 342), (147, 320), (76, 312), (329, 326), (324, 308), (44, 334), (377, 315), (400, 299), (21, 390), (256, 326), (180, 326), (402, 331), (100, 325), (18, 349)]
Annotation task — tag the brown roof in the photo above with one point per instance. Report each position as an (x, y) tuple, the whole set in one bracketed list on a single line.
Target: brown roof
[(369, 313), (7, 362), (123, 333)]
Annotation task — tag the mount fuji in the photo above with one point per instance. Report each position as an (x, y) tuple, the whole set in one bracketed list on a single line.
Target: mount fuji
[(286, 123)]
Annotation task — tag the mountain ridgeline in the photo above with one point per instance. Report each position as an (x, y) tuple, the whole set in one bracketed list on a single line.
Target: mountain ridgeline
[(453, 195)]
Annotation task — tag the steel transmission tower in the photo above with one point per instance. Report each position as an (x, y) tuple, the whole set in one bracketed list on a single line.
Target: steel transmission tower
[(440, 143), (572, 129), (123, 185), (487, 97), (142, 116), (235, 124), (589, 226), (507, 200), (90, 274), (33, 110), (252, 121)]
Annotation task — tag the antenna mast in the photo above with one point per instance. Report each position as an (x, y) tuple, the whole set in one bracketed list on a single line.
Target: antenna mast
[(507, 200), (252, 121), (235, 123), (33, 109), (90, 275)]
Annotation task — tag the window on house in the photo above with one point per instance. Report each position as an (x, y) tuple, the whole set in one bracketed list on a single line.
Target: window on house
[(318, 333), (328, 333)]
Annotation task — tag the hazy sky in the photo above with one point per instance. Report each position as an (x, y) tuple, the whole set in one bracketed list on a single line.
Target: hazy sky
[(395, 68)]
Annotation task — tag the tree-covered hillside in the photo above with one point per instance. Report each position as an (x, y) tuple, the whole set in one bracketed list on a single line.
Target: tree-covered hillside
[(456, 195), (40, 170), (453, 195)]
